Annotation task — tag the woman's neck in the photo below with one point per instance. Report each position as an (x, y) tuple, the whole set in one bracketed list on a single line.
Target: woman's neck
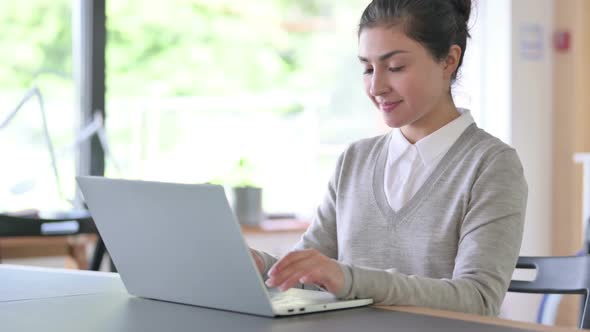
[(431, 122)]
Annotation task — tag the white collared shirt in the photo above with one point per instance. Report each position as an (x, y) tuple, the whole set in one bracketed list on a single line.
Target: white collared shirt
[(409, 165)]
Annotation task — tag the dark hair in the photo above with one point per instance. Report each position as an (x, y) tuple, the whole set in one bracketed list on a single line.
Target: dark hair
[(436, 24)]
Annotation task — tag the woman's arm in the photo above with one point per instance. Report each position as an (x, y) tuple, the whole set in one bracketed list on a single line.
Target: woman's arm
[(490, 239), (321, 234)]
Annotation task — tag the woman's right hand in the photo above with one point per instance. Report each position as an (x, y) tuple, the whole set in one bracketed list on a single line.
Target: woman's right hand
[(258, 260)]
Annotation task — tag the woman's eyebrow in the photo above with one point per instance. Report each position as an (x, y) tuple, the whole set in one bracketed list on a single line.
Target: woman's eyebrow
[(384, 56)]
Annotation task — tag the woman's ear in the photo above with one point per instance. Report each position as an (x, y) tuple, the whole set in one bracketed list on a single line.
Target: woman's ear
[(451, 63)]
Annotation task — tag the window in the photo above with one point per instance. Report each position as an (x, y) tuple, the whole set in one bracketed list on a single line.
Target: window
[(195, 87), (36, 52)]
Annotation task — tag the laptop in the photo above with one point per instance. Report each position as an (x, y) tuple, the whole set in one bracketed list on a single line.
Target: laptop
[(182, 243)]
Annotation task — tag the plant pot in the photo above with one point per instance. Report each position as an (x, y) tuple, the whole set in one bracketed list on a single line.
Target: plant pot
[(247, 205)]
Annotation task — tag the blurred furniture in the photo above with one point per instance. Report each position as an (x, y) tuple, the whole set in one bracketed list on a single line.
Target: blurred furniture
[(69, 252), (24, 232), (63, 223), (558, 275), (99, 253), (584, 159), (550, 303)]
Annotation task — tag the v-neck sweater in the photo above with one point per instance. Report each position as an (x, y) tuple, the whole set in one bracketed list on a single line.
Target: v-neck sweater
[(409, 165), (452, 246)]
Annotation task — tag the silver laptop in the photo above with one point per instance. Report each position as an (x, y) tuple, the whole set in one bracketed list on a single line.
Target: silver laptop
[(181, 243)]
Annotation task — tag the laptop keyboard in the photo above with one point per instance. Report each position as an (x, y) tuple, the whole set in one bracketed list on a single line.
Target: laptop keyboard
[(300, 297)]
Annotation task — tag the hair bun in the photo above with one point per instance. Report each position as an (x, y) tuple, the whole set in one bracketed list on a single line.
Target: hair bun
[(463, 7)]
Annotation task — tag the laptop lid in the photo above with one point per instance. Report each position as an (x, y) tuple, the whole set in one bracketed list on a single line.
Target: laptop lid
[(176, 242)]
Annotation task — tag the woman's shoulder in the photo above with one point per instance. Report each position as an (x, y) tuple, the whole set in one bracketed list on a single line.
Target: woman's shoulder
[(486, 147), (366, 147), (368, 144)]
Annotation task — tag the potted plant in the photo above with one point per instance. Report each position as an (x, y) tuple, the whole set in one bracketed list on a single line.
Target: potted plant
[(247, 196)]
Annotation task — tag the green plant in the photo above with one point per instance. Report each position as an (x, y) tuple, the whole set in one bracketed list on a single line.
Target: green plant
[(243, 174)]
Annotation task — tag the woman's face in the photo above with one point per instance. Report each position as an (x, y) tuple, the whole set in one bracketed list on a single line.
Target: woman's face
[(400, 76)]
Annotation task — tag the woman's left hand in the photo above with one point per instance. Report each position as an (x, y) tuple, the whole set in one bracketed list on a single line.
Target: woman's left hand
[(308, 267)]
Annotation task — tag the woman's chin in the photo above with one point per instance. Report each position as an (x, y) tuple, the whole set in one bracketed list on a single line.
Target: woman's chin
[(393, 121)]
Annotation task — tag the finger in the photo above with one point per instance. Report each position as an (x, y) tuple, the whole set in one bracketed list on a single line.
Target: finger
[(325, 278), (302, 266), (292, 281), (313, 277), (289, 259)]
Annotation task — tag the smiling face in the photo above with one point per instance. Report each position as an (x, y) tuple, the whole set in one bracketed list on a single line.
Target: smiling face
[(410, 88)]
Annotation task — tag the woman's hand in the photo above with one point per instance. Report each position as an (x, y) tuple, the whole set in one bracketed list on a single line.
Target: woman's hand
[(258, 260), (307, 267)]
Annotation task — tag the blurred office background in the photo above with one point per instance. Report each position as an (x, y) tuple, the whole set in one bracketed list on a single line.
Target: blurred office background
[(190, 88)]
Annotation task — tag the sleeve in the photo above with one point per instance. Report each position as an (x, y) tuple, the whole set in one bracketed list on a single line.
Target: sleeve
[(489, 243), (321, 234)]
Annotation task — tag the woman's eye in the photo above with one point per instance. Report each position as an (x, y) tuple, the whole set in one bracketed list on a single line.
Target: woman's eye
[(368, 71), (396, 69)]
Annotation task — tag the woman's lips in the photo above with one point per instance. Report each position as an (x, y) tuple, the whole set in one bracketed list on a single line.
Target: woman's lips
[(389, 106)]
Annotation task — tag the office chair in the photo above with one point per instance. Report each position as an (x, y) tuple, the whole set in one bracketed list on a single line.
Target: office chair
[(558, 275)]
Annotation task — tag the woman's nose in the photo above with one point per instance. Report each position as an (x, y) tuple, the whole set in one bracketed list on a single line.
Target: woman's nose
[(379, 85)]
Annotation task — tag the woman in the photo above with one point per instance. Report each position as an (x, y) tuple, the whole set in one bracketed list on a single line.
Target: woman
[(432, 213)]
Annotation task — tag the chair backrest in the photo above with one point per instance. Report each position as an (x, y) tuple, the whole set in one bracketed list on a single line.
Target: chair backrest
[(557, 275)]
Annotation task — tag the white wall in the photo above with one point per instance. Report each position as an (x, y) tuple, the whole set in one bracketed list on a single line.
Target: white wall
[(515, 55), (532, 24), (494, 21), (532, 29)]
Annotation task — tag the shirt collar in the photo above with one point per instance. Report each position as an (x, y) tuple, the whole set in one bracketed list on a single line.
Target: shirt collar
[(433, 145), (398, 144), (440, 141)]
